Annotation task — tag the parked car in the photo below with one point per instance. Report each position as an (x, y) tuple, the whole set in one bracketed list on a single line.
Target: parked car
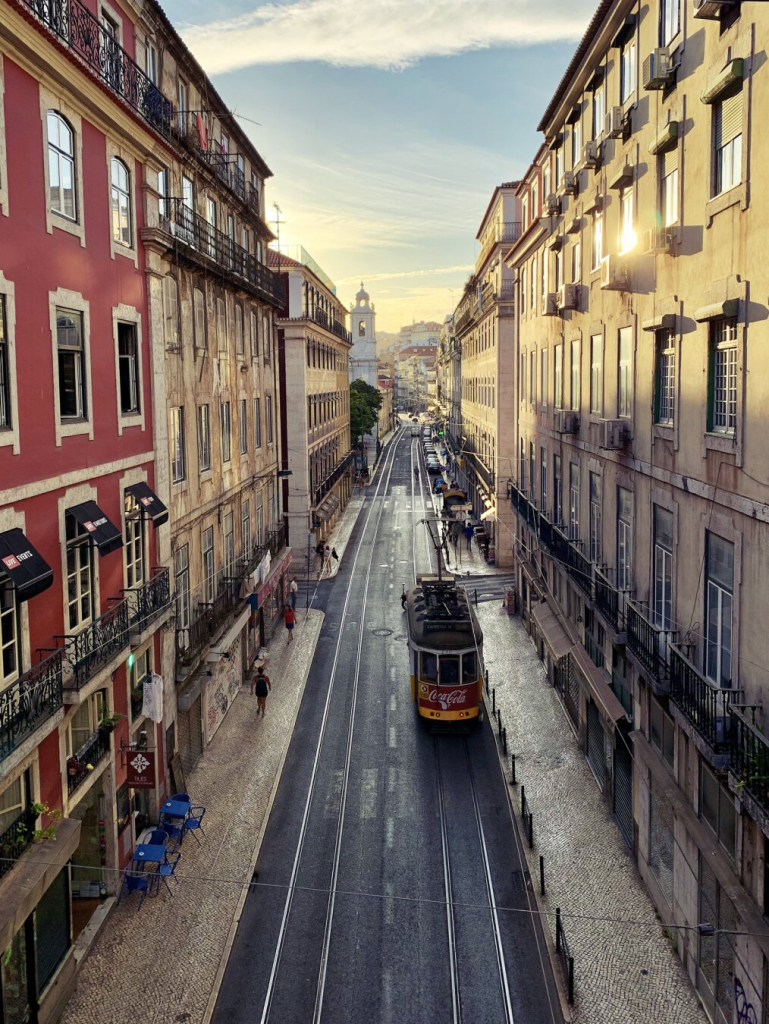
[(414, 432), (433, 467)]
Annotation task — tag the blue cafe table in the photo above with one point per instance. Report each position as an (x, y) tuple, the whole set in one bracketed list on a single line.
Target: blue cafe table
[(149, 853), (175, 808)]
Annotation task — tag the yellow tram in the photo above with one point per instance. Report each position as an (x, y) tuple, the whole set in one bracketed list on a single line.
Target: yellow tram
[(445, 652)]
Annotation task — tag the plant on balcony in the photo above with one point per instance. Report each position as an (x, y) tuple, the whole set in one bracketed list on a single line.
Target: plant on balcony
[(108, 723), (75, 767), (41, 835)]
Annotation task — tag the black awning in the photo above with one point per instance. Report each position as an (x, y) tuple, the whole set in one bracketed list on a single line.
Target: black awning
[(27, 570), (104, 533), (150, 503)]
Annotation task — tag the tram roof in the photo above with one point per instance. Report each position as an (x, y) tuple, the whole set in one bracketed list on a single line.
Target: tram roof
[(440, 615)]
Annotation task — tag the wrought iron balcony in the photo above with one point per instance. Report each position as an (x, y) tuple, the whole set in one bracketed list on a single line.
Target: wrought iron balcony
[(650, 645), (320, 316), (577, 564), (594, 650), (209, 619), (216, 251), (96, 645), (15, 840), (610, 601), (276, 540), (148, 601), (706, 705), (331, 479), (83, 762), (72, 23), (750, 756), (508, 232), (29, 702)]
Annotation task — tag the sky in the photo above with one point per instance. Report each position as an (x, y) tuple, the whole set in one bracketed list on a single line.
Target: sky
[(386, 124)]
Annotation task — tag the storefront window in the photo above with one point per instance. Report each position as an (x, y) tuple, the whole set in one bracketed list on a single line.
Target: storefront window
[(123, 804)]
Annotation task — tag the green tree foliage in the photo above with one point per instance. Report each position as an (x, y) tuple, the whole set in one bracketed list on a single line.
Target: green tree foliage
[(365, 402)]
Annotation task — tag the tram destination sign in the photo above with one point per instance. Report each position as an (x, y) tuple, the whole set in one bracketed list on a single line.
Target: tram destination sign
[(457, 509)]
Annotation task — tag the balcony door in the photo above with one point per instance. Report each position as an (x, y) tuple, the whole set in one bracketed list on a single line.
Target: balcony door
[(188, 209)]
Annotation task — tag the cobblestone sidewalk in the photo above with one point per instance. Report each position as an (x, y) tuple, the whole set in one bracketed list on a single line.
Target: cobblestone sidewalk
[(624, 973), (160, 963)]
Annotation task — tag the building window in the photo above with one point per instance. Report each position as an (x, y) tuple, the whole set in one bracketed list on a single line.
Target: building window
[(134, 541), (627, 235), (596, 374), (719, 596), (661, 843), (5, 381), (266, 339), (576, 143), (662, 730), (543, 379), (557, 490), (121, 202), (534, 285), (178, 454), (523, 377), (575, 376), (717, 808), (543, 479), (151, 61), (268, 416), (599, 112), (665, 390), (85, 721), (243, 426), (576, 261), (79, 574), (257, 423), (140, 670), (625, 373), (667, 164), (532, 471), (245, 528), (228, 530), (558, 376), (61, 167), (727, 142), (72, 368), (573, 501), (522, 466), (533, 377), (207, 564), (9, 632), (240, 344), (204, 438), (624, 539), (523, 289), (199, 317), (170, 312), (558, 269), (221, 324), (254, 326), (723, 376), (662, 594), (182, 586), (670, 20), (597, 236), (128, 361), (595, 518), (627, 71), (225, 424)]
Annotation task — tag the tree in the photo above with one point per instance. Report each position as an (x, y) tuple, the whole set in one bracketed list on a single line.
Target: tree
[(365, 403)]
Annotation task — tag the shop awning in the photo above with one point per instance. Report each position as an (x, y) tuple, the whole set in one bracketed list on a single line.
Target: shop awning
[(150, 503), (600, 691), (104, 533), (552, 631), (27, 570)]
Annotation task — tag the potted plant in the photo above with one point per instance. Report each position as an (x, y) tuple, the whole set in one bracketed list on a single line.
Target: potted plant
[(108, 723), (40, 835)]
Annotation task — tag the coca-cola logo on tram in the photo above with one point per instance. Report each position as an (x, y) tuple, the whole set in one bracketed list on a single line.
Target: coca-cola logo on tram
[(458, 698)]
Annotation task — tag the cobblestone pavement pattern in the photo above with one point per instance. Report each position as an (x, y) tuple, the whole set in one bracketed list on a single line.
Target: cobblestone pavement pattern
[(159, 963), (623, 973)]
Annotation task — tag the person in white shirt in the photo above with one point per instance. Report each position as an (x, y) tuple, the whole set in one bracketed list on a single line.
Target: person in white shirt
[(292, 592)]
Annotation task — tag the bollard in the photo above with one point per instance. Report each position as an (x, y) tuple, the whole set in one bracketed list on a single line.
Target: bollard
[(558, 929), (512, 770), (504, 740), (571, 980), (493, 701), (523, 803), (531, 831), (541, 875), (476, 596)]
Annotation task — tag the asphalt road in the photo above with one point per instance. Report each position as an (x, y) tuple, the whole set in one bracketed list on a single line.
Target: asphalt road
[(375, 821)]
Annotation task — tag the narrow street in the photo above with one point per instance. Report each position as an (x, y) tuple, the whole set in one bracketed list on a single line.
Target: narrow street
[(375, 822)]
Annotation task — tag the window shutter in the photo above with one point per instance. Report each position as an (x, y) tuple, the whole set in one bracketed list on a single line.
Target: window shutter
[(728, 119), (52, 928), (669, 161), (170, 302)]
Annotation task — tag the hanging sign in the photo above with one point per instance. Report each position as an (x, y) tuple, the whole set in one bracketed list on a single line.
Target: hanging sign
[(141, 769)]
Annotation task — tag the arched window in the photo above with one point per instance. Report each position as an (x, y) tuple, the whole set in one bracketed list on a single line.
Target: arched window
[(361, 328), (61, 166), (121, 202)]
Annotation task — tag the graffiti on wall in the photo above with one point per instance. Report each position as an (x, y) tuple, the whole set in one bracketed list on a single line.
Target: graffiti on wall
[(745, 1012), (222, 688)]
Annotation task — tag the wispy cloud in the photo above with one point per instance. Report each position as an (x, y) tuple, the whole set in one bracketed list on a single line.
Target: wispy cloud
[(389, 34), (431, 272)]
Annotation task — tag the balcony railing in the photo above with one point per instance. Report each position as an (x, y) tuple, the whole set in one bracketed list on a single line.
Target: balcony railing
[(320, 316), (508, 232), (96, 645), (83, 762), (145, 603), (750, 756), (610, 601), (577, 564), (72, 23), (594, 650), (649, 643), (276, 540), (15, 840), (331, 479), (706, 705), (29, 702), (213, 246)]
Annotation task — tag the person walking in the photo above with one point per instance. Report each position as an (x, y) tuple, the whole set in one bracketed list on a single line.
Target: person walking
[(327, 559), (262, 685), (289, 616), (468, 535), (292, 590)]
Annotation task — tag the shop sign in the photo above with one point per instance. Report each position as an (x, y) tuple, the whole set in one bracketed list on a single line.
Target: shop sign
[(141, 769)]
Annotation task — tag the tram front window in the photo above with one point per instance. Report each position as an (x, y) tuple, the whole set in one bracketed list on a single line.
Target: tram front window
[(449, 670), (469, 667), (429, 671)]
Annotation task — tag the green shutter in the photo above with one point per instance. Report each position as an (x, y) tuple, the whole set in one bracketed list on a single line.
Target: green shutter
[(52, 928), (728, 116)]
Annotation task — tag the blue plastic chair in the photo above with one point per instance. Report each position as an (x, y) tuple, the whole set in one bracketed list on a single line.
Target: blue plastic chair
[(135, 881), (181, 796), (157, 837), (167, 870), (171, 831), (194, 822)]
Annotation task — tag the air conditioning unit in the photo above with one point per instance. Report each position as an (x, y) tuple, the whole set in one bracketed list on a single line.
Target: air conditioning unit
[(615, 128), (567, 296), (591, 154), (550, 307), (552, 205), (614, 275), (710, 8), (614, 435), (658, 69), (566, 422), (658, 240), (569, 183)]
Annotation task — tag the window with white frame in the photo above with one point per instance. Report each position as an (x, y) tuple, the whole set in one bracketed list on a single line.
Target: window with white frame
[(207, 564), (120, 204), (543, 478), (178, 453), (532, 471), (546, 186), (84, 722), (260, 518), (5, 374), (243, 426), (597, 238), (138, 670), (576, 142), (723, 376), (534, 284), (665, 377), (557, 489), (596, 374), (525, 212), (627, 235), (719, 599), (221, 323), (182, 586), (662, 594), (576, 261), (523, 377), (128, 365), (253, 321), (79, 574), (228, 532), (204, 438), (558, 376), (533, 376), (268, 417), (199, 317), (62, 185), (667, 164), (575, 376), (523, 289), (670, 20), (239, 330), (134, 541), (226, 429), (558, 166), (543, 379), (599, 111), (624, 538), (266, 338), (151, 61), (245, 528), (257, 423), (595, 518), (727, 142), (534, 199), (170, 312), (558, 269), (625, 373), (573, 501), (627, 70), (72, 365), (10, 636)]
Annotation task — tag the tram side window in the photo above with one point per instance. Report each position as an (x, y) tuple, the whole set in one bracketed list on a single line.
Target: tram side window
[(449, 670), (469, 667), (429, 667)]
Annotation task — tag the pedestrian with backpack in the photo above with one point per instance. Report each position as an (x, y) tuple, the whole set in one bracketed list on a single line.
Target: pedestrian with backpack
[(261, 684)]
